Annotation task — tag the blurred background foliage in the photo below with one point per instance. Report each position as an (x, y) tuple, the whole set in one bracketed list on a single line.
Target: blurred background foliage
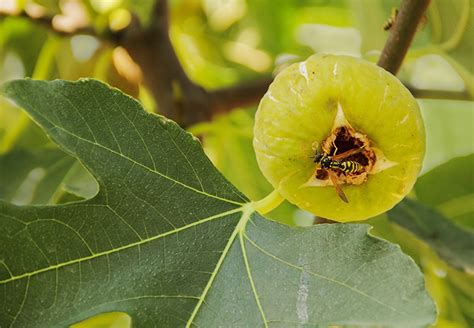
[(225, 42)]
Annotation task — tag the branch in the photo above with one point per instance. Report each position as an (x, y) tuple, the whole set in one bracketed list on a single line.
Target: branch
[(401, 34), (184, 101), (176, 95), (225, 99)]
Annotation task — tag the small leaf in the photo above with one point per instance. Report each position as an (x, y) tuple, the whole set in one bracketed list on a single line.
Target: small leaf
[(41, 176), (79, 182), (33, 177), (453, 244), (170, 242)]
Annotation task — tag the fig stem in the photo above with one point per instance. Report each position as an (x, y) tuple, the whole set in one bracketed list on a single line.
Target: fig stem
[(268, 203)]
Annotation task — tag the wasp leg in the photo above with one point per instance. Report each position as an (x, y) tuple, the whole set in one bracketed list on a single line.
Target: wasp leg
[(335, 148)]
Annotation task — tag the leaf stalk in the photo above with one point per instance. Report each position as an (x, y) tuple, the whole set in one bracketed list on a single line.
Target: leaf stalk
[(268, 203)]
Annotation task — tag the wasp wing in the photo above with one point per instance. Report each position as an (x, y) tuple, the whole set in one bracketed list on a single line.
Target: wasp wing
[(347, 153)]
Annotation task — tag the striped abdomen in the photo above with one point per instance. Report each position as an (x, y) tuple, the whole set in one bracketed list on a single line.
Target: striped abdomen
[(349, 166)]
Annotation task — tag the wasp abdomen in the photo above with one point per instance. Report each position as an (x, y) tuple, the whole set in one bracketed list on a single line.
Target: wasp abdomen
[(349, 166)]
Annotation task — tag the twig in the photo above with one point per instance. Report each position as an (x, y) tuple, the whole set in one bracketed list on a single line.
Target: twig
[(152, 50), (47, 22), (401, 34), (439, 94), (226, 99)]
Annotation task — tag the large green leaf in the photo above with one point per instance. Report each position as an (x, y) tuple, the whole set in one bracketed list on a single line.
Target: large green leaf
[(168, 240), (453, 244)]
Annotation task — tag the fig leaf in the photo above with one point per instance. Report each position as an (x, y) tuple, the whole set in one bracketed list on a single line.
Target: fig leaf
[(170, 242)]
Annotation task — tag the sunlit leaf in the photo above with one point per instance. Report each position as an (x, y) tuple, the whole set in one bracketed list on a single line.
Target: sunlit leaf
[(452, 26), (370, 26), (79, 182), (329, 39)]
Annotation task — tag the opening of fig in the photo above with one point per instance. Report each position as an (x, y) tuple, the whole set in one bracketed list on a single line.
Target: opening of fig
[(354, 168), (346, 156)]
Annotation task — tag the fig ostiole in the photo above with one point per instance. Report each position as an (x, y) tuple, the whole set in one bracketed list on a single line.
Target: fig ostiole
[(339, 137)]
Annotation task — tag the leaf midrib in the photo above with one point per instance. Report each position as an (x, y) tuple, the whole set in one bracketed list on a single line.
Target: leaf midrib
[(150, 169), (247, 211), (131, 245), (95, 143), (337, 282)]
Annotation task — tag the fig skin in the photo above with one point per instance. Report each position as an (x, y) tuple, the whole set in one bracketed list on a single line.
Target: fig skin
[(299, 111)]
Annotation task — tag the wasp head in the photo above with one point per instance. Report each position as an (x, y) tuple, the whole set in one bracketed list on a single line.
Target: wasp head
[(318, 157)]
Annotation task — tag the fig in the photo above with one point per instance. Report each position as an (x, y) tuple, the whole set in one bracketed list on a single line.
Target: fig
[(333, 129)]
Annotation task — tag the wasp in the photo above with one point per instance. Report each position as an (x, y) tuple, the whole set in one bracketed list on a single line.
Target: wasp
[(389, 23), (393, 17), (337, 162)]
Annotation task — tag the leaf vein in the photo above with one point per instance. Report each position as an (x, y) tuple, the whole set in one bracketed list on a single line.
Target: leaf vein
[(69, 227), (139, 135), (105, 120), (187, 159), (249, 275), (242, 221), (124, 221), (22, 302)]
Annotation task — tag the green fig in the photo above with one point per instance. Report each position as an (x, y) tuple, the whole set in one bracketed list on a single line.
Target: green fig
[(339, 137)]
